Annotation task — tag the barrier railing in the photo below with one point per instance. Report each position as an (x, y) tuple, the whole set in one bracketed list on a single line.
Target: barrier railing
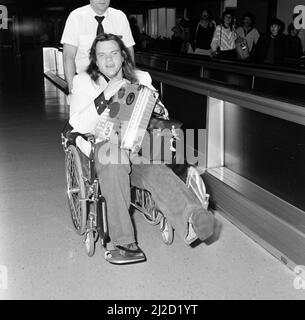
[(204, 65)]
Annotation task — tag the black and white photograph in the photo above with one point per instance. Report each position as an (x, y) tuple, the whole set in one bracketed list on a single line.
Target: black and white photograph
[(152, 153)]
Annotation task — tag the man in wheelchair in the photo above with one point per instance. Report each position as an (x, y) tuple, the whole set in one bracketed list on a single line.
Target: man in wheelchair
[(110, 69)]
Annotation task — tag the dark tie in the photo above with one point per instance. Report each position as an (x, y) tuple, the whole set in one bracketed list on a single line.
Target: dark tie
[(100, 28)]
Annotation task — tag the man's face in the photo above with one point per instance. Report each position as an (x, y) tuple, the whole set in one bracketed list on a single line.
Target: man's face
[(109, 58), (100, 6), (275, 28)]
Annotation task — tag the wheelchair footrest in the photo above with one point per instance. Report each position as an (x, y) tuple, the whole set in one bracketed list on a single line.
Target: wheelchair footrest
[(114, 257)]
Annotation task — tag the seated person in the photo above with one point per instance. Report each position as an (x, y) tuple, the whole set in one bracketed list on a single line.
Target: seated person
[(110, 68)]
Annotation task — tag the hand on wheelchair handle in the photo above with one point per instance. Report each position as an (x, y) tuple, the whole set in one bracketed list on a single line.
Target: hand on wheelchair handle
[(114, 85)]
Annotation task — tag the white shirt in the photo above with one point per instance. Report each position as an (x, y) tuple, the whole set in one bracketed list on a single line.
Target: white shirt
[(251, 37), (83, 114), (223, 38), (80, 31)]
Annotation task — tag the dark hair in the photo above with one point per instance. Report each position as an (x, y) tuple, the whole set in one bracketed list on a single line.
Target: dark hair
[(249, 15), (278, 22), (127, 66), (226, 12), (208, 11)]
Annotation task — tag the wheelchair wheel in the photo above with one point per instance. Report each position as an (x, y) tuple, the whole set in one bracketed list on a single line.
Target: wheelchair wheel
[(89, 243), (76, 190)]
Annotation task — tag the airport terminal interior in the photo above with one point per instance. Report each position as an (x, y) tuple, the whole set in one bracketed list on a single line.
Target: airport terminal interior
[(249, 111)]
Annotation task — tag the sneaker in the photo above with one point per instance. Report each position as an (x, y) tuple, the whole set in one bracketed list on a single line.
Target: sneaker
[(131, 250)]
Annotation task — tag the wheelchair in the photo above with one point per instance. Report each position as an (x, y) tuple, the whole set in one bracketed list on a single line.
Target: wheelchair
[(88, 207)]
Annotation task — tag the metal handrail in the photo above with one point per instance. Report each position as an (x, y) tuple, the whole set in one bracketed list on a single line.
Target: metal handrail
[(255, 70), (257, 102)]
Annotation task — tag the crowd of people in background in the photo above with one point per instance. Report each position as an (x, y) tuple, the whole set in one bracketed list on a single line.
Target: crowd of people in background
[(228, 40), (232, 39)]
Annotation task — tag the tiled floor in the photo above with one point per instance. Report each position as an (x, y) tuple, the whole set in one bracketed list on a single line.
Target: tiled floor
[(45, 258)]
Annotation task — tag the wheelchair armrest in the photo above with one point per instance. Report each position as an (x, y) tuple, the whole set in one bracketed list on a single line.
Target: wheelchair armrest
[(160, 123), (71, 136)]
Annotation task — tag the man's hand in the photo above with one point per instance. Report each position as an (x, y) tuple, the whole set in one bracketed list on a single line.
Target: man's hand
[(114, 85)]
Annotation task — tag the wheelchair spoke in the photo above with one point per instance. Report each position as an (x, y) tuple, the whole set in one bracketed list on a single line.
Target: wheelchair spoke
[(76, 204), (73, 190), (76, 189)]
